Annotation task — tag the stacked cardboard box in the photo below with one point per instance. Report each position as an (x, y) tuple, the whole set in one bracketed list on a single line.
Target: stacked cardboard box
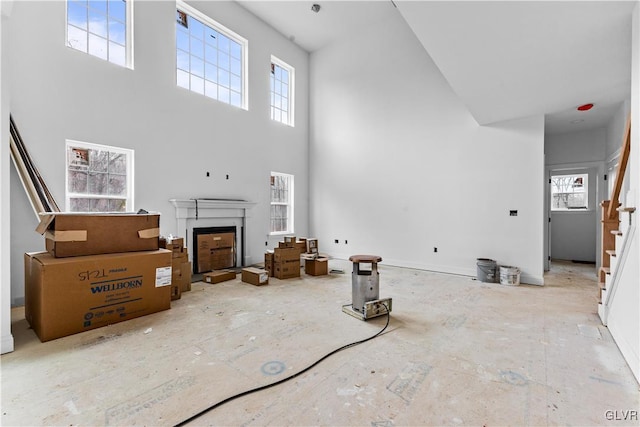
[(286, 263), (100, 269), (268, 262), (215, 251), (180, 266)]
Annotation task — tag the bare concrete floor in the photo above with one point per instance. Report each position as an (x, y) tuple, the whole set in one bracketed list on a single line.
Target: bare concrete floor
[(457, 352)]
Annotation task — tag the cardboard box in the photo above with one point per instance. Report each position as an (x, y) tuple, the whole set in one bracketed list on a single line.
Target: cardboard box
[(176, 290), (301, 246), (312, 246), (215, 251), (286, 254), (286, 270), (255, 276), (219, 276), (316, 267), (185, 270), (77, 234), (268, 262), (64, 296)]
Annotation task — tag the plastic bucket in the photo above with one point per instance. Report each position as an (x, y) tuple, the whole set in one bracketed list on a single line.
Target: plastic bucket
[(509, 275), (486, 270)]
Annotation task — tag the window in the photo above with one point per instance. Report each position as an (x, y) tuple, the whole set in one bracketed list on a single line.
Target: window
[(281, 203), (569, 192), (282, 85), (99, 178), (102, 29), (210, 59)]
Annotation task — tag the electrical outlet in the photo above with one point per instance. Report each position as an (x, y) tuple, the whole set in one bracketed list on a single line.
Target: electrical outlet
[(208, 173), (513, 213), (266, 243), (336, 241), (435, 249), (345, 242)]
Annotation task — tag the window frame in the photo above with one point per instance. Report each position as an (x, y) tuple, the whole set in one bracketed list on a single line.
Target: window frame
[(290, 92), (585, 186), (128, 43), (218, 27), (130, 174), (290, 203)]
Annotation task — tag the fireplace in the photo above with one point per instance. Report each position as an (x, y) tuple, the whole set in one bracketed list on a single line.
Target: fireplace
[(224, 214)]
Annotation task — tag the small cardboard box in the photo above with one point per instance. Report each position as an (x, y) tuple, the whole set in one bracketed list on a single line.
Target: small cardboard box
[(64, 296), (312, 246), (255, 276), (286, 254), (77, 234), (219, 276), (268, 262), (286, 270), (176, 291), (185, 270), (316, 267)]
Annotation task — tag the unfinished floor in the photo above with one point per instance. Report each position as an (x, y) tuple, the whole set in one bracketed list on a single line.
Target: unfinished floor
[(456, 352)]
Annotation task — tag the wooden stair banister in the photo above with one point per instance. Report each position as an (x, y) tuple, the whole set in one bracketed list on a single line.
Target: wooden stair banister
[(622, 168)]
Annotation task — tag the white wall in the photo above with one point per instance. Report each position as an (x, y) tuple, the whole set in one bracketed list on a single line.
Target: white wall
[(6, 338), (59, 93), (577, 147), (399, 166), (624, 313), (576, 235)]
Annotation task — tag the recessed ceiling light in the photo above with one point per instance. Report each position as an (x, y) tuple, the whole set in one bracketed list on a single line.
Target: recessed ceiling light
[(577, 121), (315, 7), (585, 107)]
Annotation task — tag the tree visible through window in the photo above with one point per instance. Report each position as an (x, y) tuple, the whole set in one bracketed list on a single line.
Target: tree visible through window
[(281, 203), (569, 192), (99, 178), (101, 28)]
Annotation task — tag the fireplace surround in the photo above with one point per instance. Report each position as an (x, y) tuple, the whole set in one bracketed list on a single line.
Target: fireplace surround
[(205, 213)]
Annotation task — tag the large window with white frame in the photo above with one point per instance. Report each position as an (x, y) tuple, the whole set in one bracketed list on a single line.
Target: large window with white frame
[(282, 91), (281, 203), (99, 178), (569, 192), (102, 29), (210, 58)]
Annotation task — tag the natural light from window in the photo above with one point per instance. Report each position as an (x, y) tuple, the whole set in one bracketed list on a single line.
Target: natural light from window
[(210, 59), (281, 203), (101, 29), (569, 192), (282, 90), (99, 178)]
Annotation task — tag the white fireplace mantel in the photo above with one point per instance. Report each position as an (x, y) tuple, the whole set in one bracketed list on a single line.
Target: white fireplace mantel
[(192, 213)]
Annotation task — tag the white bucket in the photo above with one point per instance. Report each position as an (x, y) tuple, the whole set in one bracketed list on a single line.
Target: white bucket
[(509, 275)]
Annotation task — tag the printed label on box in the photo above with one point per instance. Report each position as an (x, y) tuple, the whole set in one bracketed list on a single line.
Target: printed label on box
[(163, 276)]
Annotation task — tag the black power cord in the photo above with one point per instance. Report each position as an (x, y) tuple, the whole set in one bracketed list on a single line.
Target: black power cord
[(264, 387)]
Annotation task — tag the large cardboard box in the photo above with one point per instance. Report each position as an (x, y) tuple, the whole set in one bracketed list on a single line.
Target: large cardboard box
[(219, 276), (286, 270), (255, 276), (77, 234), (64, 296), (316, 267), (215, 251), (286, 254)]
